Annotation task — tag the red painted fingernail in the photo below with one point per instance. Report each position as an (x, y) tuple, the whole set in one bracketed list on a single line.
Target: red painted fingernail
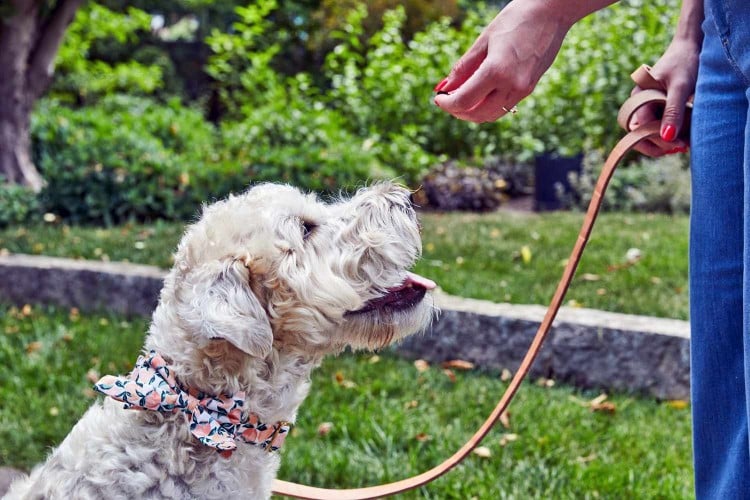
[(440, 85), (668, 132)]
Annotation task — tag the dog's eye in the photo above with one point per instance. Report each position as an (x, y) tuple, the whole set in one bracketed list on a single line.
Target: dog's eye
[(307, 229)]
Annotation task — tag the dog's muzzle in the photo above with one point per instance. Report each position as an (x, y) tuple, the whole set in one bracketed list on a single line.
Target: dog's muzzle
[(400, 298)]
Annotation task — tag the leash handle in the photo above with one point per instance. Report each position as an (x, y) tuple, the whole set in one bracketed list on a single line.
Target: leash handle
[(625, 145), (653, 92)]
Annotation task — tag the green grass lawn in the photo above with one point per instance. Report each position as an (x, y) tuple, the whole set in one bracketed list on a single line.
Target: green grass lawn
[(471, 255), (389, 420)]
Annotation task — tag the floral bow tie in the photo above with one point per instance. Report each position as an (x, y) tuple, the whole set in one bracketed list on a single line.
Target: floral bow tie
[(217, 421)]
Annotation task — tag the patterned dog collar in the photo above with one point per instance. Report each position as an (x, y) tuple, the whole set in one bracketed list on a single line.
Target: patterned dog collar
[(217, 421)]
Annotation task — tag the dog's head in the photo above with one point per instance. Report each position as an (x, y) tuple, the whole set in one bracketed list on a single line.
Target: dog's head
[(274, 267)]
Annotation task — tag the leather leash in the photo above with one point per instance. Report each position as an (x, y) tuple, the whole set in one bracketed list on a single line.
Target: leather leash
[(654, 93)]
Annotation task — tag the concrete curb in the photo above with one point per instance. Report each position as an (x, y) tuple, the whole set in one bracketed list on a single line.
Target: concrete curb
[(586, 347)]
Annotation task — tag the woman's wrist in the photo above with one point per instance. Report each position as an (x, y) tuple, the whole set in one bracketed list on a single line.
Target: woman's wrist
[(565, 12)]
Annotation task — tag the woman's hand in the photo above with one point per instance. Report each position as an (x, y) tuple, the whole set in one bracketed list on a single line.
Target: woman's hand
[(504, 64), (677, 69), (509, 57)]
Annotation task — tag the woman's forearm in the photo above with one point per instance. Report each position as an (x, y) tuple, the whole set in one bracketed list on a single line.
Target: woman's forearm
[(569, 11), (691, 18)]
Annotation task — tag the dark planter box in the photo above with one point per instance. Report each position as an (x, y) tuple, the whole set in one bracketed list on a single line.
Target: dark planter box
[(552, 172)]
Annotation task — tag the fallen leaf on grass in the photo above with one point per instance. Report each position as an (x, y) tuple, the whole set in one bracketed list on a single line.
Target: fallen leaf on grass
[(545, 382), (33, 347), (411, 404), (421, 365), (598, 404), (451, 376), (325, 428), (422, 437), (606, 407), (343, 382), (632, 257), (587, 459), (506, 375), (505, 419), (92, 376), (590, 277), (598, 400), (677, 404), (374, 359), (458, 364), (526, 254), (482, 451), (508, 438)]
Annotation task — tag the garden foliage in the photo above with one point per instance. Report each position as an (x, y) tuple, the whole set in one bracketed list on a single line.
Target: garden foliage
[(364, 113)]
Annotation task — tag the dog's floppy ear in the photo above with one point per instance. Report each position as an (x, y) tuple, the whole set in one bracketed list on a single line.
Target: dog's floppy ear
[(217, 302)]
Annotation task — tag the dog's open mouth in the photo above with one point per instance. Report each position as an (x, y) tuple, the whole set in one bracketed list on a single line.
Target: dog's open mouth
[(405, 296)]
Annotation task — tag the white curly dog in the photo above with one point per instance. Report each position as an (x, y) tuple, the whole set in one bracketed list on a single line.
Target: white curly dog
[(264, 285)]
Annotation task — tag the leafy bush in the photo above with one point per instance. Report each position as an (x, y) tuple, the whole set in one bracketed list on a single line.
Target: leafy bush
[(307, 147), (97, 32), (135, 158), (384, 89), (650, 185), (125, 158), (17, 204)]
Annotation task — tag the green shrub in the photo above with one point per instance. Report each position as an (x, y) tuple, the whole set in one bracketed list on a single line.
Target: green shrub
[(94, 59), (384, 89), (126, 158), (17, 204), (135, 158), (305, 146), (649, 185)]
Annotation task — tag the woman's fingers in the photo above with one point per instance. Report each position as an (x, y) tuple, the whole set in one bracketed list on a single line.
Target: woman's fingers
[(465, 66), (494, 105)]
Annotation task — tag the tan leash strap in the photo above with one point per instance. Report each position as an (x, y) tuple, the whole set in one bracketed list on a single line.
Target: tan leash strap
[(625, 145)]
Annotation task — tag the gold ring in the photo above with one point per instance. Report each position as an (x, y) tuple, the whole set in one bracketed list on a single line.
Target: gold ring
[(513, 110)]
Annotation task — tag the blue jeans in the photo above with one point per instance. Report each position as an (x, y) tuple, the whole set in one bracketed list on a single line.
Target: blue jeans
[(720, 255)]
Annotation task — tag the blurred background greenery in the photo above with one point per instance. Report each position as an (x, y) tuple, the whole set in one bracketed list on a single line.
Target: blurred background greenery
[(156, 107)]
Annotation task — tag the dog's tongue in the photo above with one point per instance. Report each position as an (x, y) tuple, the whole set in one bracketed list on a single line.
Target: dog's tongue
[(415, 279)]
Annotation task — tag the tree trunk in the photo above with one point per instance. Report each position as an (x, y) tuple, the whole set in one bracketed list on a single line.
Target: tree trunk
[(28, 45), (16, 165)]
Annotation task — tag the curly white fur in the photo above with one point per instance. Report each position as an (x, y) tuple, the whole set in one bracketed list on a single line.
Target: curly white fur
[(252, 304)]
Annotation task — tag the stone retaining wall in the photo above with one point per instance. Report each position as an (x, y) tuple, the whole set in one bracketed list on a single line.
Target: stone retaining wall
[(586, 347)]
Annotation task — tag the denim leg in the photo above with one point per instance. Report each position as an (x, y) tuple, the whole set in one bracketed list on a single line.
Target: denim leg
[(717, 255)]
